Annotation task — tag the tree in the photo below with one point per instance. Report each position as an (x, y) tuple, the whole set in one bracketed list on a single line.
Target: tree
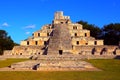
[(94, 30), (6, 43), (111, 34)]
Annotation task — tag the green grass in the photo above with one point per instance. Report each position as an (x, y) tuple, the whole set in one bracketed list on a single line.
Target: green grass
[(112, 65), (8, 62), (111, 71)]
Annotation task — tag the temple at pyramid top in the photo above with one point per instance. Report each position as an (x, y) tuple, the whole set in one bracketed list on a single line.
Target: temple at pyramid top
[(60, 18), (59, 15)]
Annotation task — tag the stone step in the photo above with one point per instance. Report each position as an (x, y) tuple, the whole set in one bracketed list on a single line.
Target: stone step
[(61, 40), (25, 65), (74, 57), (52, 65), (64, 65)]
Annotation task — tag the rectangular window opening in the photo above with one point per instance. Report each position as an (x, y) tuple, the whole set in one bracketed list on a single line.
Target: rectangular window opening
[(36, 42), (74, 27), (47, 34), (38, 34), (27, 42), (75, 34), (85, 34), (95, 42), (61, 22), (77, 42), (86, 43), (60, 52)]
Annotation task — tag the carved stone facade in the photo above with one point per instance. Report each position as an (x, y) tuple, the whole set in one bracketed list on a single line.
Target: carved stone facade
[(62, 37)]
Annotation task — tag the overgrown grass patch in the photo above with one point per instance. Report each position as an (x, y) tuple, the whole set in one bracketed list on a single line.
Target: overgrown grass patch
[(8, 62)]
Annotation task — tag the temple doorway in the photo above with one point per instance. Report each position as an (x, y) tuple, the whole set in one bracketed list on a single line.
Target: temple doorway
[(60, 52)]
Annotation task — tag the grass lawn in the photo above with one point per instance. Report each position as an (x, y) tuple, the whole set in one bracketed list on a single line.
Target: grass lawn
[(8, 62), (110, 67)]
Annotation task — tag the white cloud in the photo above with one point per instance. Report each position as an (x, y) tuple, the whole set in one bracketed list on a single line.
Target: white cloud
[(30, 27), (27, 32), (5, 24)]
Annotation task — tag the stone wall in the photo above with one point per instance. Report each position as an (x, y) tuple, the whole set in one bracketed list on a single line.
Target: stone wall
[(72, 57), (25, 50), (75, 26), (96, 50), (7, 52), (118, 51), (83, 50)]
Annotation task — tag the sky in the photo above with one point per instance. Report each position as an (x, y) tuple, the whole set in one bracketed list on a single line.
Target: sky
[(20, 18)]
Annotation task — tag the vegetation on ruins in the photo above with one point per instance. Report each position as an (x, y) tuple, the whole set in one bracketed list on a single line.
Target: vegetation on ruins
[(109, 33), (110, 71), (6, 43)]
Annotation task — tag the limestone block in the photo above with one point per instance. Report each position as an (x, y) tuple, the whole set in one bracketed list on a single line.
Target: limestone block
[(91, 42), (83, 42), (118, 52), (23, 43), (35, 34), (100, 42)]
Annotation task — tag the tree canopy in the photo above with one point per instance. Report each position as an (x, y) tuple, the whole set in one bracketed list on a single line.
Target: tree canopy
[(6, 43), (111, 34)]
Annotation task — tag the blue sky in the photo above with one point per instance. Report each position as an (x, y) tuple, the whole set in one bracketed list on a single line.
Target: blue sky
[(20, 18)]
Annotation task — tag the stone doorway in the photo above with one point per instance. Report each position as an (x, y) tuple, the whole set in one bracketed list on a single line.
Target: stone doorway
[(60, 52)]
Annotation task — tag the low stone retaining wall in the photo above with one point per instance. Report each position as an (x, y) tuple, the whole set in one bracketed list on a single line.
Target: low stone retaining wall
[(97, 50), (75, 57), (60, 57)]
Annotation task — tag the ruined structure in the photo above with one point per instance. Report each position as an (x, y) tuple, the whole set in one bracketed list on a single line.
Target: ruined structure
[(62, 37), (61, 46)]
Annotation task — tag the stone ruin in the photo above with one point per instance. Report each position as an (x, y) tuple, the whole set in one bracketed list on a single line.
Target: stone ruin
[(62, 37), (61, 45)]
